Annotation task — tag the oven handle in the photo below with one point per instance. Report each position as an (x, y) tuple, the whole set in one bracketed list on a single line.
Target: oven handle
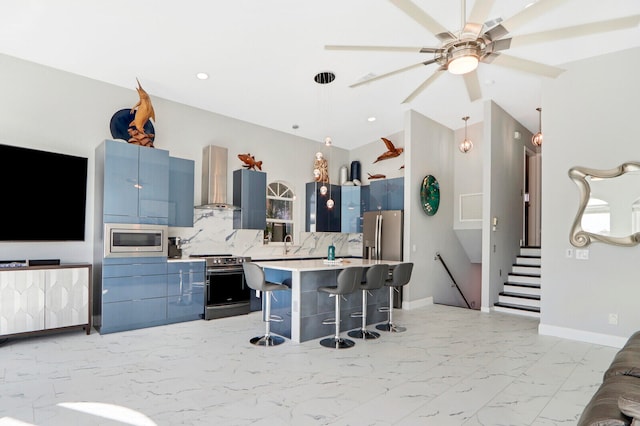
[(224, 271)]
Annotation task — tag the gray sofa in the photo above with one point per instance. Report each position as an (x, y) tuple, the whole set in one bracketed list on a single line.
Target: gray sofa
[(617, 400)]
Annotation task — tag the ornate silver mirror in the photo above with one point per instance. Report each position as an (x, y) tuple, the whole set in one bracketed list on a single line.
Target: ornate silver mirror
[(609, 209)]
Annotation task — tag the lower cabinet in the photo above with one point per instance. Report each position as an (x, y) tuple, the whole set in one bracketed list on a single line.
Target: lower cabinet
[(185, 291), (146, 292), (134, 293), (35, 299)]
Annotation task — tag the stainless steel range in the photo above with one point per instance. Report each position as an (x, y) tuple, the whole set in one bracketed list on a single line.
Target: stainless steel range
[(226, 292)]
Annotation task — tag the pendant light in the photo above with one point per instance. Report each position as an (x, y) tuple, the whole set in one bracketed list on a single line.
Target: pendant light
[(536, 139), (330, 202), (466, 145)]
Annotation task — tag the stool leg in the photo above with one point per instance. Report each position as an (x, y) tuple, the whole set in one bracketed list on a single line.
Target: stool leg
[(363, 333), (268, 339), (336, 341), (389, 326)]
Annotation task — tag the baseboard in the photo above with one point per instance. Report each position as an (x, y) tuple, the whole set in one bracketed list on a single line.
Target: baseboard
[(417, 303), (582, 336)]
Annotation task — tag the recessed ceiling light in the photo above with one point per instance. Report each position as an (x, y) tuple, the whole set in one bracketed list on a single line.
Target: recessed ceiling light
[(371, 119), (202, 75)]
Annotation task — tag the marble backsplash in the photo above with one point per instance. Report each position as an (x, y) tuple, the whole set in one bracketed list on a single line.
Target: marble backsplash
[(213, 233)]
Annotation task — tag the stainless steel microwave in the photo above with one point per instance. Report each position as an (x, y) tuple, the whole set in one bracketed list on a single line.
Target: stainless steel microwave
[(135, 240)]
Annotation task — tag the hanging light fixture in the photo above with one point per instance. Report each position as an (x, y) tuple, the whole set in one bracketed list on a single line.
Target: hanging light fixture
[(466, 145), (537, 138), (330, 202)]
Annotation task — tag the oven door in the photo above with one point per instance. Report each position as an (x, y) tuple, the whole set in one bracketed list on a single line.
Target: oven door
[(227, 293)]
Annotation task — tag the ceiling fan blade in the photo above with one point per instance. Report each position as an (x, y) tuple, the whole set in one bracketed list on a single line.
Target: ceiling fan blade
[(532, 11), (473, 85), (389, 74), (377, 48), (526, 65), (480, 11), (577, 31), (496, 32), (437, 73), (498, 45), (422, 18), (471, 30)]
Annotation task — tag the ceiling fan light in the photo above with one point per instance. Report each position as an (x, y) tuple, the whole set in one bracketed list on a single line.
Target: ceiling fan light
[(463, 64)]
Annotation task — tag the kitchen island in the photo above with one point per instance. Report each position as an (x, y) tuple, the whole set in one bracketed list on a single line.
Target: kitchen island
[(303, 308)]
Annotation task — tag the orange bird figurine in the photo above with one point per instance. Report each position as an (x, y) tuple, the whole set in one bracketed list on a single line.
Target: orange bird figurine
[(392, 151), (376, 176), (143, 109), (250, 162)]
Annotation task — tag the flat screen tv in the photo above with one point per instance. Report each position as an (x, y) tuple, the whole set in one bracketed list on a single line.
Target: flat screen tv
[(43, 195)]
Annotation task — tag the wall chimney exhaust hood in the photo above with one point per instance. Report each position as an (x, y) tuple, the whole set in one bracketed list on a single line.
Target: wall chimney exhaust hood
[(214, 179)]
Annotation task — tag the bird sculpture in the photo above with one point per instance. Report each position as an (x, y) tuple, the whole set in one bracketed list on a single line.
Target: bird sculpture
[(143, 111), (250, 162), (391, 152), (376, 176)]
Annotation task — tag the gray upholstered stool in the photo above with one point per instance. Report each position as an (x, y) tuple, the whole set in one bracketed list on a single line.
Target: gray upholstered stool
[(255, 280), (400, 276), (347, 282), (376, 276)]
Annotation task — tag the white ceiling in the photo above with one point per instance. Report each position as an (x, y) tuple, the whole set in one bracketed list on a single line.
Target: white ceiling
[(262, 56)]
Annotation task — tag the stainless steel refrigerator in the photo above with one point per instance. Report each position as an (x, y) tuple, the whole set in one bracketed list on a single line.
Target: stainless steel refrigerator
[(382, 236)]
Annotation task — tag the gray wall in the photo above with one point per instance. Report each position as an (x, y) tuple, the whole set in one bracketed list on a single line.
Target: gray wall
[(48, 109), (590, 119), (430, 150)]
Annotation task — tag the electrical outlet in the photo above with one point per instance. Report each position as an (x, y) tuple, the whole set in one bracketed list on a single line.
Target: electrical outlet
[(569, 253), (582, 254), (613, 319)]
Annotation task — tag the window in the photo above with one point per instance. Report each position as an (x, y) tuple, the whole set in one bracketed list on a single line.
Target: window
[(280, 198)]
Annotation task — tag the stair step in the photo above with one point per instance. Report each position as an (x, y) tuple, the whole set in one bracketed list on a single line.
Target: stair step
[(528, 260), (530, 251), (523, 279), (529, 300), (528, 289), (517, 310), (526, 269)]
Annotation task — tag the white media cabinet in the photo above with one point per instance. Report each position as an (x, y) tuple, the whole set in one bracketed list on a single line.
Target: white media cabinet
[(38, 299)]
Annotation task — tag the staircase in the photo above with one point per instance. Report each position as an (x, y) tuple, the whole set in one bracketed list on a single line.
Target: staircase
[(521, 293)]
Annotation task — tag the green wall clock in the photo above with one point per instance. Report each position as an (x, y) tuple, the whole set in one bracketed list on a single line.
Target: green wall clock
[(430, 195)]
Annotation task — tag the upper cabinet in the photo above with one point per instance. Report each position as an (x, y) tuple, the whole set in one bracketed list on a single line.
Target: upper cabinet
[(387, 194), (181, 200), (250, 194), (135, 183), (318, 217), (355, 201)]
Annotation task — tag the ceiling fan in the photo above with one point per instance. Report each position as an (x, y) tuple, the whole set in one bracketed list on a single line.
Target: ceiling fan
[(483, 43)]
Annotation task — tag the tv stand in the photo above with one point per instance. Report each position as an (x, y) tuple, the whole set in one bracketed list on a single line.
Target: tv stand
[(43, 299)]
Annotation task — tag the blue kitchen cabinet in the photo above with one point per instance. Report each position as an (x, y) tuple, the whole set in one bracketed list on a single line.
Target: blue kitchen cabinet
[(386, 194), (134, 294), (135, 183), (318, 217), (250, 194), (185, 291), (351, 209), (181, 200)]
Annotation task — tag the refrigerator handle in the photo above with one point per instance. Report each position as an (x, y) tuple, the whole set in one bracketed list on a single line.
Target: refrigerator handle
[(375, 239), (379, 235)]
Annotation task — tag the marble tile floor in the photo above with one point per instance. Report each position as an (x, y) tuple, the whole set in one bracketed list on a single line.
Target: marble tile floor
[(452, 366)]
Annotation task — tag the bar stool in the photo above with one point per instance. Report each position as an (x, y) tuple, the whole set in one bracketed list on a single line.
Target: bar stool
[(376, 276), (400, 276), (255, 279), (347, 282)]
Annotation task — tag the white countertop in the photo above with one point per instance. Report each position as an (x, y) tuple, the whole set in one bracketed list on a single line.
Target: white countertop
[(319, 265), (185, 259)]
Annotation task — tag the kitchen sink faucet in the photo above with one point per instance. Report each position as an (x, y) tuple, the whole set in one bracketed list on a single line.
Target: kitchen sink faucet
[(289, 238)]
